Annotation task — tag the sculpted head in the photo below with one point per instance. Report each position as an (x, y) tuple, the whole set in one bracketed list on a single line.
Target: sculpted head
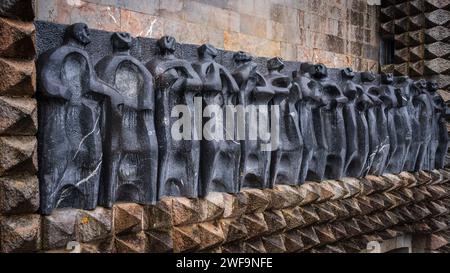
[(347, 73), (387, 78), (241, 57), (207, 51), (367, 76), (166, 45), (78, 34), (275, 64), (432, 86), (421, 84), (319, 71), (121, 41)]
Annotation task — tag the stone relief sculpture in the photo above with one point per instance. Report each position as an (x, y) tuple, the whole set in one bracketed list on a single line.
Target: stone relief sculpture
[(333, 121), (389, 99), (356, 128), (377, 122), (130, 145), (221, 152), (72, 101), (287, 156), (176, 83), (109, 133), (310, 102), (254, 91)]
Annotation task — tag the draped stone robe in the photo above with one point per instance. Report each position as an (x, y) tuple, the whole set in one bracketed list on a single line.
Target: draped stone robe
[(220, 157), (424, 116), (389, 99), (176, 84), (255, 160), (440, 132), (131, 147), (286, 159), (70, 135)]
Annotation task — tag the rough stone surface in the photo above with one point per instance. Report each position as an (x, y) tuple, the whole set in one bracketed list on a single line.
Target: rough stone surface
[(20, 233)]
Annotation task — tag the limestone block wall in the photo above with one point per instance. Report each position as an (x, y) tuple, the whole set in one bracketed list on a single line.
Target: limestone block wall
[(19, 186), (338, 33)]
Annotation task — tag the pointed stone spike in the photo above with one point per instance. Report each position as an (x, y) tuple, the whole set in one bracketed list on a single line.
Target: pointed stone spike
[(274, 243), (351, 247), (394, 181), (128, 218), (439, 17), (437, 225), (284, 196), (366, 186), (352, 227), (423, 177), (437, 50), (421, 193), (274, 220), (406, 194), (18, 116), (365, 224), (94, 225), (437, 192), (376, 222), (380, 183), (18, 39), (436, 208), (437, 33), (417, 68), (416, 22), (416, 38), (401, 55), (436, 241), (293, 217), (401, 69), (338, 230), (59, 228), (255, 224), (431, 5), (388, 27), (420, 211), (336, 188), (437, 176), (324, 234), (406, 214), (160, 241), (210, 234), (18, 79), (352, 186), (376, 201), (309, 214), (308, 193), (132, 243), (185, 211), (388, 13), (17, 155), (258, 200), (186, 238), (351, 205), (309, 237), (421, 228), (19, 194), (159, 215), (402, 9), (338, 209), (293, 241), (408, 178), (325, 212), (401, 25), (212, 206), (437, 66), (235, 205), (394, 199), (233, 229), (325, 191), (391, 217), (254, 246), (364, 204)]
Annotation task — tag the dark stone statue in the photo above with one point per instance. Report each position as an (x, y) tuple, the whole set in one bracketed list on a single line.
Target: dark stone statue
[(176, 83), (308, 104), (220, 155), (254, 91), (287, 156), (72, 105), (332, 120), (389, 98), (422, 129), (130, 145), (439, 140), (378, 127), (356, 128)]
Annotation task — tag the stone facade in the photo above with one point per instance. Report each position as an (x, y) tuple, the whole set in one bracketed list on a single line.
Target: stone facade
[(341, 33)]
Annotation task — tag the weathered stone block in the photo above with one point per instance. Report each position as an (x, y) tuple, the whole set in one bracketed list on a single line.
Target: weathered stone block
[(128, 218), (284, 196), (18, 155), (274, 220), (21, 233), (274, 243), (293, 241), (254, 246), (105, 245), (185, 211), (18, 77), (18, 116), (210, 234), (258, 200), (94, 225), (233, 229), (21, 9), (255, 224), (160, 241), (19, 194), (293, 217), (186, 238), (17, 38), (158, 216), (133, 243), (59, 228), (213, 206)]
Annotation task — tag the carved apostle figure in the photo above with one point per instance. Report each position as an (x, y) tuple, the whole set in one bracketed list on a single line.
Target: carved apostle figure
[(70, 135), (422, 127), (439, 143), (403, 119), (390, 101), (356, 128), (377, 121), (130, 145), (254, 93), (220, 152), (332, 120), (176, 84), (308, 104), (287, 156)]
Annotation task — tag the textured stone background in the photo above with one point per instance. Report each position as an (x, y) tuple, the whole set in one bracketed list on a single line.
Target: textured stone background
[(338, 33)]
